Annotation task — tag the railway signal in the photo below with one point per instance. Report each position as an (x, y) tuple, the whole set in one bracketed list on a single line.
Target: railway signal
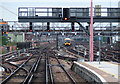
[(2, 30), (72, 24), (87, 27), (72, 30), (31, 27), (66, 14), (48, 26)]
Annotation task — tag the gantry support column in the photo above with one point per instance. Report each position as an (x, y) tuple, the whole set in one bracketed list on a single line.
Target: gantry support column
[(91, 34)]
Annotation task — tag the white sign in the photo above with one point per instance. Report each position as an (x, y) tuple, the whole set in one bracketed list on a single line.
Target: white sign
[(97, 52), (85, 53)]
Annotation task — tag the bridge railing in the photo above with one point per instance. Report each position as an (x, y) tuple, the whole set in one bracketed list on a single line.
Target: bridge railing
[(39, 11), (74, 12)]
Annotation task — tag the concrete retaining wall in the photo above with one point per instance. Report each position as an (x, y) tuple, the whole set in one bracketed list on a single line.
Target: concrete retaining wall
[(88, 74)]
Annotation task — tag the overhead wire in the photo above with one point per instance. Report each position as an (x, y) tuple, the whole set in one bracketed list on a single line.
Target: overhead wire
[(9, 10)]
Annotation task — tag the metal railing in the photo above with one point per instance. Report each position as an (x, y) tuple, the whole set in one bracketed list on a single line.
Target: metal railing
[(74, 12), (39, 11)]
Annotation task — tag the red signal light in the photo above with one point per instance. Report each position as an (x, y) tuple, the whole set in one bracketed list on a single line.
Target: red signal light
[(65, 18), (48, 30), (30, 30), (72, 30)]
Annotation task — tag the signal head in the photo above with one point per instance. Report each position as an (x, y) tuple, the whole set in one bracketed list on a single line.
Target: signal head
[(65, 18)]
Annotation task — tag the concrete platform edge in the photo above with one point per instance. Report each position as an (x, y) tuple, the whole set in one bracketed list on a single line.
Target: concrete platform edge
[(88, 74)]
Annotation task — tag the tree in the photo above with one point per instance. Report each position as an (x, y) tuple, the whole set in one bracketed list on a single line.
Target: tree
[(3, 40)]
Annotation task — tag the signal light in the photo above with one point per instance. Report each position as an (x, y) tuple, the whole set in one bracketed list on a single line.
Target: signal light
[(30, 27), (6, 32), (3, 27), (30, 30), (48, 26), (66, 14), (72, 24), (65, 18)]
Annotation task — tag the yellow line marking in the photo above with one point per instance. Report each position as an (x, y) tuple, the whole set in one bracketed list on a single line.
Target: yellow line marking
[(103, 70), (105, 75), (112, 63)]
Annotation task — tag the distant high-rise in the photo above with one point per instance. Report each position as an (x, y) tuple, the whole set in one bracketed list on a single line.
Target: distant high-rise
[(119, 23), (119, 6)]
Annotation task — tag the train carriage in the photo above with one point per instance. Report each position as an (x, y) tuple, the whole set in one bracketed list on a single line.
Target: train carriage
[(67, 42)]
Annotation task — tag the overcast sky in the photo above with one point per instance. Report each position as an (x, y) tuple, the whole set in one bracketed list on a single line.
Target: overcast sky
[(9, 8)]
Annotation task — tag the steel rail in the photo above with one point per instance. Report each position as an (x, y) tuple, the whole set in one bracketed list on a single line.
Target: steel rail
[(30, 76), (12, 52), (18, 66), (6, 68), (7, 55), (95, 56), (5, 80), (30, 73), (50, 71), (33, 69), (38, 62), (46, 70), (66, 71)]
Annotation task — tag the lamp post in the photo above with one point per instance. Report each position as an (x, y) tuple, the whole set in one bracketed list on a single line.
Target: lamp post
[(85, 54), (57, 41), (99, 47)]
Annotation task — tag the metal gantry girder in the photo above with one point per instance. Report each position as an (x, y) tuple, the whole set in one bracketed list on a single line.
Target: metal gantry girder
[(87, 32), (58, 19), (37, 14)]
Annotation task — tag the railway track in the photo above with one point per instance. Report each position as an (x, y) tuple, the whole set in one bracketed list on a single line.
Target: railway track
[(109, 55), (17, 73), (39, 68), (23, 71), (61, 72), (8, 55), (71, 78), (38, 72), (45, 73)]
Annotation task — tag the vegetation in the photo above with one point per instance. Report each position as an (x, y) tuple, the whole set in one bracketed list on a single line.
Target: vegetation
[(66, 60), (3, 52), (11, 43), (3, 40)]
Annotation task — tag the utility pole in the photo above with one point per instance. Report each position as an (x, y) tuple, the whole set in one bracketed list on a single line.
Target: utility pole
[(91, 34), (57, 41), (85, 54), (99, 47)]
